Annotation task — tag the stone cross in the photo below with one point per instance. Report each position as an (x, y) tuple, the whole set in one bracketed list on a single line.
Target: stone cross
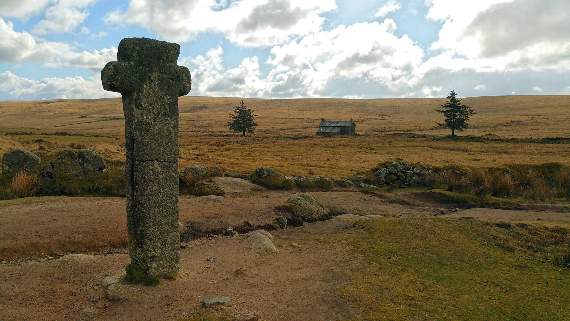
[(150, 81)]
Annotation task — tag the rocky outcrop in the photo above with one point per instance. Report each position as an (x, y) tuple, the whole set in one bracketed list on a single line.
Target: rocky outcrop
[(19, 160)]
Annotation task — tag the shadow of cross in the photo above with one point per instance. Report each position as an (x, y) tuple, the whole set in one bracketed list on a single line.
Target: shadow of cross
[(150, 81)]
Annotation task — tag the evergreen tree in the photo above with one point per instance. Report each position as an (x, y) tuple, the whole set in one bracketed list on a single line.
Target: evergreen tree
[(455, 113), (242, 120)]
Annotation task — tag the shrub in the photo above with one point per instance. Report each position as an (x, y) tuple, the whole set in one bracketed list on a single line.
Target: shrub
[(111, 182), (24, 184), (313, 183), (206, 188), (271, 179), (401, 174)]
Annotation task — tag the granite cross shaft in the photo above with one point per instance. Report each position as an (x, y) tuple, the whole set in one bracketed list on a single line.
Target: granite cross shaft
[(148, 78)]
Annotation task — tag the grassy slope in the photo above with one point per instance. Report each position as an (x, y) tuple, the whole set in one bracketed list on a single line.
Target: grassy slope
[(285, 137), (418, 269)]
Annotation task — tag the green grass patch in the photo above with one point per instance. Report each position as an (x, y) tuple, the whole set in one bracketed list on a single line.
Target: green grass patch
[(436, 269)]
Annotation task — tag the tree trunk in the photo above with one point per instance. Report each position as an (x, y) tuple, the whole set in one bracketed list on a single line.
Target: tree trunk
[(452, 132), (243, 133)]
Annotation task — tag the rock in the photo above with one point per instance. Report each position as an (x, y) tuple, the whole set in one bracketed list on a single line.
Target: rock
[(271, 179), (206, 188), (232, 185), (116, 292), (19, 160), (401, 174), (214, 301), (74, 163), (305, 208), (110, 280), (261, 242), (214, 198), (193, 174)]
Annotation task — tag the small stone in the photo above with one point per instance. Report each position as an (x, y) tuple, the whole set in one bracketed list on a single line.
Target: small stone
[(260, 242), (211, 259), (116, 292), (214, 301), (110, 280)]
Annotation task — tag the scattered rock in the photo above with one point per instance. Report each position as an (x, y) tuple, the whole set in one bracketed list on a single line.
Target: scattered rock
[(117, 292), (215, 301), (271, 179), (110, 280), (206, 188), (193, 174), (211, 259), (232, 185), (401, 174), (74, 163), (261, 242), (305, 208), (19, 160), (215, 198)]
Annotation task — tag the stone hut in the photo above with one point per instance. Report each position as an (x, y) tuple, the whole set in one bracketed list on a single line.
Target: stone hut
[(337, 128)]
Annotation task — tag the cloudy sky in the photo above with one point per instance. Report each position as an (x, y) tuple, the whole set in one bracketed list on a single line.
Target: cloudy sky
[(295, 48)]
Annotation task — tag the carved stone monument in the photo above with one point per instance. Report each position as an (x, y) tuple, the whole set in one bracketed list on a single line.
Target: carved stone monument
[(150, 81)]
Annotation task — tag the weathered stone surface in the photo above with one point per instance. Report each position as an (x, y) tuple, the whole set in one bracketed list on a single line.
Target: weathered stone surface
[(213, 301), (19, 160), (74, 163), (261, 242), (150, 82), (305, 208)]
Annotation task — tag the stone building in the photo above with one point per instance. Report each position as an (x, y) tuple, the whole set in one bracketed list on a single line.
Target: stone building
[(337, 128)]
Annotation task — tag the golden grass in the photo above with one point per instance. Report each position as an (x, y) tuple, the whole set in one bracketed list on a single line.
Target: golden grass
[(285, 138), (23, 184)]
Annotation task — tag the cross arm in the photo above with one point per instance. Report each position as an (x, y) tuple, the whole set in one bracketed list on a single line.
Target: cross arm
[(119, 77), (184, 81)]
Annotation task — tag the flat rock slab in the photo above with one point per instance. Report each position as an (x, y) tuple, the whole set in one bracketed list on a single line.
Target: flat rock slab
[(214, 301), (232, 185)]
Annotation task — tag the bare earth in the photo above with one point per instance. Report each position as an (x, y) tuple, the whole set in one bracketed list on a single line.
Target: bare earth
[(41, 278)]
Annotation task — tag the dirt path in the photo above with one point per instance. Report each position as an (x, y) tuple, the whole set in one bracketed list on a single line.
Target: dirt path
[(55, 226), (547, 218), (299, 282)]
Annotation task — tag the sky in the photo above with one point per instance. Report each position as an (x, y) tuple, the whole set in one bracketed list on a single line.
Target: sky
[(51, 49)]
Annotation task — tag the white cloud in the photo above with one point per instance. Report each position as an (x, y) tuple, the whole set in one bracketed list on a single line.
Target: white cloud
[(247, 22), (52, 88), (480, 87), (369, 51), (502, 35), (388, 8), (211, 78), (64, 16), (316, 64), (21, 8), (20, 47)]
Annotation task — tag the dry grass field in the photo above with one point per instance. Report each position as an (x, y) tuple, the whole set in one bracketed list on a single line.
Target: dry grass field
[(511, 130), (421, 253)]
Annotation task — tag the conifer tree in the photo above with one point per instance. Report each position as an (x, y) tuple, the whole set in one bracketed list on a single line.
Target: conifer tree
[(455, 113), (242, 119)]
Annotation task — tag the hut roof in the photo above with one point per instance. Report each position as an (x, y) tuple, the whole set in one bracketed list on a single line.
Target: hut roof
[(336, 123)]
